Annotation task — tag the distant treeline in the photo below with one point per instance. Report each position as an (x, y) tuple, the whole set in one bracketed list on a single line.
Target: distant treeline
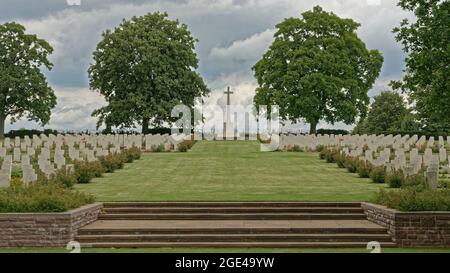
[(418, 133), (332, 132), (26, 132)]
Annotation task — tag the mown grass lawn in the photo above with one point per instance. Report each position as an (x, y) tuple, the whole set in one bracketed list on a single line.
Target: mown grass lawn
[(231, 171)]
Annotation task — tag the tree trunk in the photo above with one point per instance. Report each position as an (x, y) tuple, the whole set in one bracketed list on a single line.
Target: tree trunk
[(145, 123), (2, 126), (108, 129), (313, 128)]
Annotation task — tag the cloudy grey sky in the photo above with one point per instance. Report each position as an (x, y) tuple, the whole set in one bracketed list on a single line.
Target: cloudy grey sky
[(233, 35)]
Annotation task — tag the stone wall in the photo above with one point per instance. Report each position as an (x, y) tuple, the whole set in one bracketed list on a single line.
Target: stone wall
[(45, 229), (412, 229)]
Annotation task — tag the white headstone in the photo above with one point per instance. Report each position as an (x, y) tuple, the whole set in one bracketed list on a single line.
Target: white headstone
[(17, 142), (29, 175), (413, 153), (442, 154), (441, 142), (7, 143), (432, 177), (5, 172), (16, 155)]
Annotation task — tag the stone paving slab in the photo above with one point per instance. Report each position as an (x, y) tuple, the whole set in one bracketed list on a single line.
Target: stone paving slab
[(145, 224)]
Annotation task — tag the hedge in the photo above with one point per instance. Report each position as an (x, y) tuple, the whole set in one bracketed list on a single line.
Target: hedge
[(409, 199), (41, 197)]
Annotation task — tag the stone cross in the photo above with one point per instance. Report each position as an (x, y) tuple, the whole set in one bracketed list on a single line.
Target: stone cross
[(229, 132), (228, 93)]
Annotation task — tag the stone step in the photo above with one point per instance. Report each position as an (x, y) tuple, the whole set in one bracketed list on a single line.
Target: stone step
[(204, 230), (233, 216), (235, 238), (164, 210), (230, 204), (233, 245), (232, 225)]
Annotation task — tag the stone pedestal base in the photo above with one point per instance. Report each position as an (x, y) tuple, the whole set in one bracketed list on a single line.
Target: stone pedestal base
[(230, 133)]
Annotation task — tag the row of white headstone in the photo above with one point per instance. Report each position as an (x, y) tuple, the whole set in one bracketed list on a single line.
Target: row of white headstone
[(78, 147), (373, 142), (93, 140), (393, 152)]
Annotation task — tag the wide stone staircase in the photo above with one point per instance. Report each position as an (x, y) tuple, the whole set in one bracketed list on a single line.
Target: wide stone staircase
[(232, 225)]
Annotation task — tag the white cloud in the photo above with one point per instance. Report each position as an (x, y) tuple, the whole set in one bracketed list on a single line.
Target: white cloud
[(233, 35), (73, 111), (250, 48)]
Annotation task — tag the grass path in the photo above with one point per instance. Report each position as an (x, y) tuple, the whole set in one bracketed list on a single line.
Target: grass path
[(231, 171)]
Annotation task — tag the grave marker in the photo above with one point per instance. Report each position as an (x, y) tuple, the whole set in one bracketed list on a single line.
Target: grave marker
[(17, 154)]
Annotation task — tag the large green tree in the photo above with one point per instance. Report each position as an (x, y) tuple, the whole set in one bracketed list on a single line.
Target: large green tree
[(144, 68), (388, 112), (317, 69), (24, 91), (427, 75)]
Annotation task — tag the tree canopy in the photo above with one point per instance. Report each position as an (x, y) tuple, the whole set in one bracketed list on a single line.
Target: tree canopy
[(427, 75), (317, 69), (387, 113), (144, 68), (24, 91)]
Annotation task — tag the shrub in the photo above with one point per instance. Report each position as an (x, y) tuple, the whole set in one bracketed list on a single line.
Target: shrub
[(159, 149), (378, 174), (182, 147), (351, 164), (64, 178), (364, 169), (408, 199), (86, 171), (395, 179), (41, 197), (329, 156), (186, 145), (112, 162), (131, 154), (297, 149), (435, 149), (339, 159), (16, 171), (16, 181), (417, 181), (323, 153), (319, 148)]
